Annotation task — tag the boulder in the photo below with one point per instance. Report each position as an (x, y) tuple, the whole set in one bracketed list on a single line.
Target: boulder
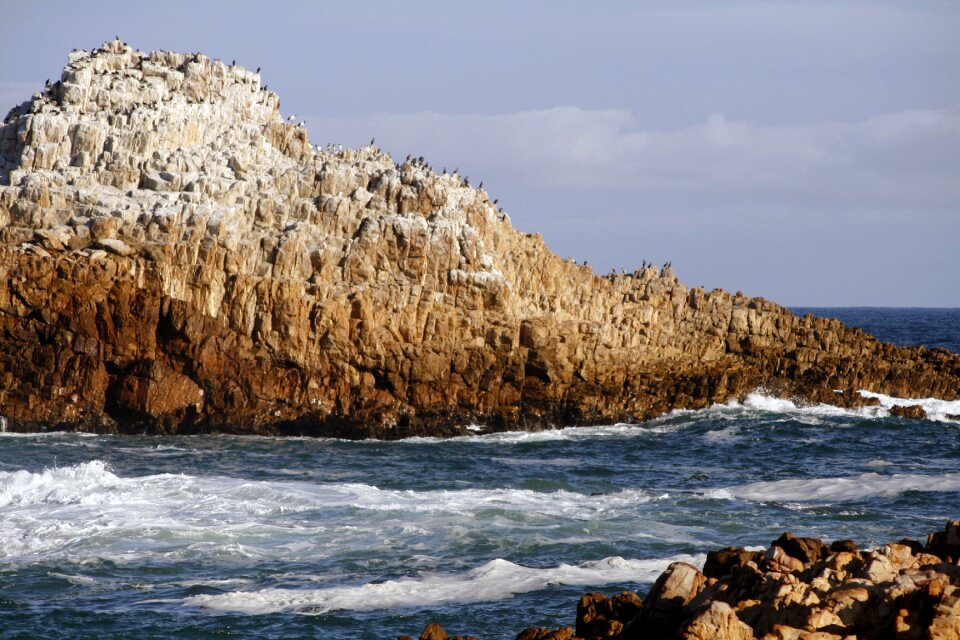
[(913, 411), (717, 622), (722, 562)]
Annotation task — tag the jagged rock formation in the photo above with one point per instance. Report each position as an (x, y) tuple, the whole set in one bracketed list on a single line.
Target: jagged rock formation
[(798, 589), (176, 256)]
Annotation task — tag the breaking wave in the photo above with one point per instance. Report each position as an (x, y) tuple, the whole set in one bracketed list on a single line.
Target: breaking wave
[(841, 489), (495, 580), (87, 509)]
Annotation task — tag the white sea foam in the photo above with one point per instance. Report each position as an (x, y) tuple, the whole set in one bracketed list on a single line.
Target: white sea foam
[(759, 401), (753, 404), (545, 462), (621, 430), (495, 580), (936, 409), (73, 579), (841, 489), (729, 434), (86, 510)]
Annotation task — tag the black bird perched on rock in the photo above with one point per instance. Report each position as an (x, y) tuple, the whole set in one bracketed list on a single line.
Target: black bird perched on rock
[(481, 185), (233, 63), (47, 83), (372, 141), (116, 37), (496, 200), (258, 69)]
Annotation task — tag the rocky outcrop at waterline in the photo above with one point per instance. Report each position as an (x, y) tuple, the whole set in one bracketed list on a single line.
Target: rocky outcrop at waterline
[(798, 589), (175, 256)]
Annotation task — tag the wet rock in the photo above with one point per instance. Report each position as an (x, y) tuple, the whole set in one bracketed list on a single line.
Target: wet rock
[(433, 631), (600, 617), (913, 411)]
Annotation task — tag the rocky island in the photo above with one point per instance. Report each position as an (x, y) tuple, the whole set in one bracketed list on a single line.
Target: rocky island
[(177, 257)]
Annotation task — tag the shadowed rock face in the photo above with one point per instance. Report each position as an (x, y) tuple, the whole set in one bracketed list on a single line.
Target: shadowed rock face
[(175, 256)]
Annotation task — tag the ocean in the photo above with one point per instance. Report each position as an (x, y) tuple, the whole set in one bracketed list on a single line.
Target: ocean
[(248, 537)]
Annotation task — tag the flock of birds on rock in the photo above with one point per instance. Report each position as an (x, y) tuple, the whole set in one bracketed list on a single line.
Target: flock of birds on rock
[(338, 149)]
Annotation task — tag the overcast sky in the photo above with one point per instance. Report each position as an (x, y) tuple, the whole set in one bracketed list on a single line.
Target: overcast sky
[(808, 152)]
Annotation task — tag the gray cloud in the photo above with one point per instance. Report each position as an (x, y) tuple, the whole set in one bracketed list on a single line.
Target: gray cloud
[(908, 158)]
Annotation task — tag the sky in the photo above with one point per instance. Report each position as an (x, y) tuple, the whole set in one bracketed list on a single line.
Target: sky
[(804, 151)]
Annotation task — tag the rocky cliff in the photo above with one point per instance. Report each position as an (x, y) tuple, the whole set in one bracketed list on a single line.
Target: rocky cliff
[(177, 256)]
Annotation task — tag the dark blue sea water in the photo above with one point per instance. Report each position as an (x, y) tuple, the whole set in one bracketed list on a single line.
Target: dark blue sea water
[(219, 537)]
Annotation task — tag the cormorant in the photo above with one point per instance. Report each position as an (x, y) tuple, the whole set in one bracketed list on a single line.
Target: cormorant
[(233, 63), (481, 185), (372, 141), (258, 69)]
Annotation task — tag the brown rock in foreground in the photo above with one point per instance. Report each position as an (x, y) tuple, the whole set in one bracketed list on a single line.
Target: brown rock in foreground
[(901, 591), (177, 257)]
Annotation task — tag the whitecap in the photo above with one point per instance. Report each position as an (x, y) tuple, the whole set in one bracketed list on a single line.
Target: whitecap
[(86, 510), (540, 462), (936, 409), (620, 430), (73, 579), (729, 434), (839, 489), (496, 580)]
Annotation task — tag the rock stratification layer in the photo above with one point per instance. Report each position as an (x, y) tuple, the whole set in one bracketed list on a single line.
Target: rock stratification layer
[(176, 256)]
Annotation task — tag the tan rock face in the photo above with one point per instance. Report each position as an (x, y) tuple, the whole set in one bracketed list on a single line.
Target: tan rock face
[(902, 590), (158, 215), (717, 622)]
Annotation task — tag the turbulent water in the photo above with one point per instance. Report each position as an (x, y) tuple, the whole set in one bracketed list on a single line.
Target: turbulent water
[(201, 537)]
